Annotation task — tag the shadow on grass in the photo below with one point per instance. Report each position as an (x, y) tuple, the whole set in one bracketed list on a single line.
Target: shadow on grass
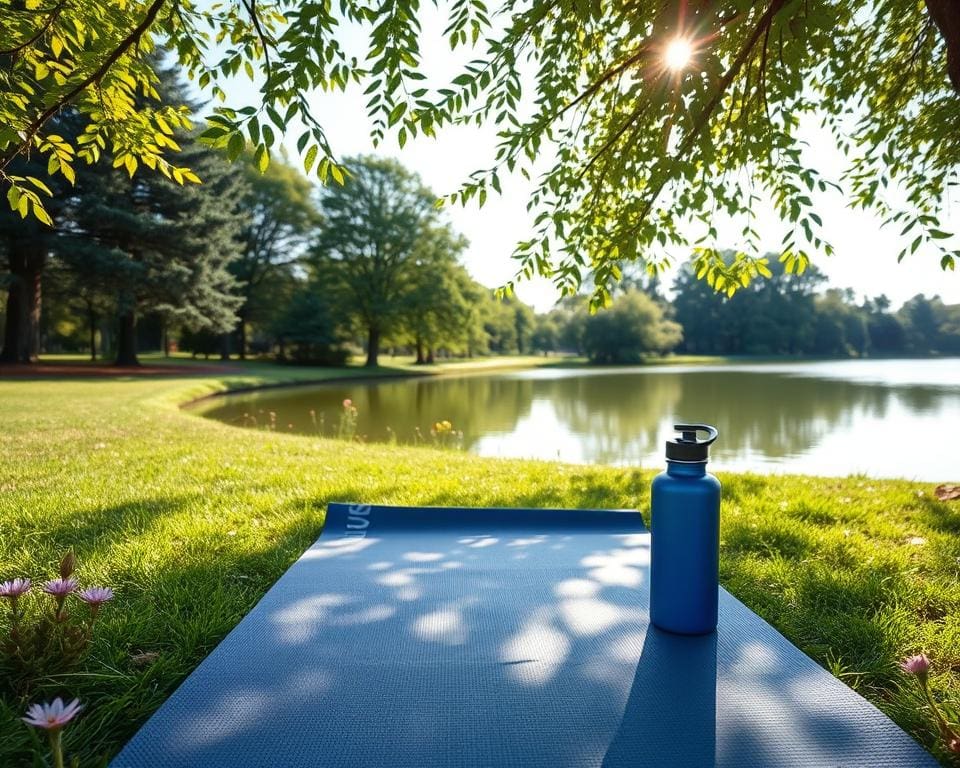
[(91, 530), (580, 491), (942, 516)]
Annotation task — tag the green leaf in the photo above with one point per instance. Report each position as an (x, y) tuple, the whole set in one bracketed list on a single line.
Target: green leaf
[(41, 213), (396, 113), (40, 185), (235, 146), (262, 158), (310, 159)]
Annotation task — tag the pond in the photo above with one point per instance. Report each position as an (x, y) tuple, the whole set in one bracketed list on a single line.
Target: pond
[(882, 418)]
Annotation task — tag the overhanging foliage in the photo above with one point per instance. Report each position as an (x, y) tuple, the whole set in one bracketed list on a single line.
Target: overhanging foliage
[(639, 149)]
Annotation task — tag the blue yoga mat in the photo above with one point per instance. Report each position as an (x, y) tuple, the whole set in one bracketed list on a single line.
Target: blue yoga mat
[(415, 637)]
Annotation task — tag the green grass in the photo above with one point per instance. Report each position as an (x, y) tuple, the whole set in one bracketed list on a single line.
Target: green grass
[(192, 520)]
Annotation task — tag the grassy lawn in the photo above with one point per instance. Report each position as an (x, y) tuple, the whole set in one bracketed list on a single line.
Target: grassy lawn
[(192, 520)]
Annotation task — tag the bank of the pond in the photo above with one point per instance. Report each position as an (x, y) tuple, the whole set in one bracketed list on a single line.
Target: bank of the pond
[(191, 521)]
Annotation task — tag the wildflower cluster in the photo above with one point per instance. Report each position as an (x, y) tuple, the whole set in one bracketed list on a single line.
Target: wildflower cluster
[(45, 635), (919, 667), (445, 436), (348, 421)]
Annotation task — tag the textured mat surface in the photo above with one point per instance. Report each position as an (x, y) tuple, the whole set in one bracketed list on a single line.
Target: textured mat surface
[(487, 638)]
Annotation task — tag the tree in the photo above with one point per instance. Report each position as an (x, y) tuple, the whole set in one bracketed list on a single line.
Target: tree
[(156, 247), (634, 326), (772, 317), (437, 306), (950, 330), (652, 108), (366, 254), (921, 318), (500, 324), (546, 335), (523, 320), (885, 330), (279, 217), (25, 245), (76, 284), (306, 325), (841, 327)]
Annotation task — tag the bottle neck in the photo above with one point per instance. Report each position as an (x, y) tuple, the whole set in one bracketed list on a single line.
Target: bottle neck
[(686, 469)]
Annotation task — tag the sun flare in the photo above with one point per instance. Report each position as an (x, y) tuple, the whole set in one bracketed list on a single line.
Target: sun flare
[(678, 53)]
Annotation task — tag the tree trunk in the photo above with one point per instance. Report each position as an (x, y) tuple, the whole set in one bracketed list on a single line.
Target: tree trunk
[(127, 339), (21, 342), (225, 347), (373, 347), (946, 15), (13, 328), (165, 339), (34, 298), (92, 322), (430, 356), (420, 358), (106, 337), (242, 328)]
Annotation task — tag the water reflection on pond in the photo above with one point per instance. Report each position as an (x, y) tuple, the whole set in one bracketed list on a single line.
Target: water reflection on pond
[(883, 418)]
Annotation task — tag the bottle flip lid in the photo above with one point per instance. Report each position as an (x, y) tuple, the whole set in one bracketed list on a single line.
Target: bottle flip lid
[(687, 447)]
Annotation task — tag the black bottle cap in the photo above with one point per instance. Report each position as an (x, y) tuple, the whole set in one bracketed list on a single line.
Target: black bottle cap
[(687, 447)]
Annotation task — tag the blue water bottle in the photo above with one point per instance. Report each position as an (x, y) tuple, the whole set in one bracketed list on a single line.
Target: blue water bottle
[(685, 537)]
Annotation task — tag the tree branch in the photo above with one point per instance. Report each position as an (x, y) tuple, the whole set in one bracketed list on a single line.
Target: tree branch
[(604, 78), (265, 41), (51, 19), (129, 41), (702, 120)]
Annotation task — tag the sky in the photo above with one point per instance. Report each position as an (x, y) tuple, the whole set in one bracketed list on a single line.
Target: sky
[(865, 259)]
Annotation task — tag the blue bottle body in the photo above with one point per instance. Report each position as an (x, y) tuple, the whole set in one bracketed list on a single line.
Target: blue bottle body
[(685, 549)]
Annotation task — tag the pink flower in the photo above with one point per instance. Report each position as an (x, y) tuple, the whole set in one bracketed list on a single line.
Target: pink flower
[(348, 403), (917, 665), (954, 746), (52, 717), (96, 596), (14, 589), (60, 588)]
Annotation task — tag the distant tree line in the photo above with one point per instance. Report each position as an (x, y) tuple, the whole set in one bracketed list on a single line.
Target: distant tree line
[(787, 314), (793, 315), (246, 263)]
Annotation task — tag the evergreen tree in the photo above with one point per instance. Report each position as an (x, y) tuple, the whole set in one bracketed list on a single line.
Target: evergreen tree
[(307, 332), (158, 247), (25, 246)]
